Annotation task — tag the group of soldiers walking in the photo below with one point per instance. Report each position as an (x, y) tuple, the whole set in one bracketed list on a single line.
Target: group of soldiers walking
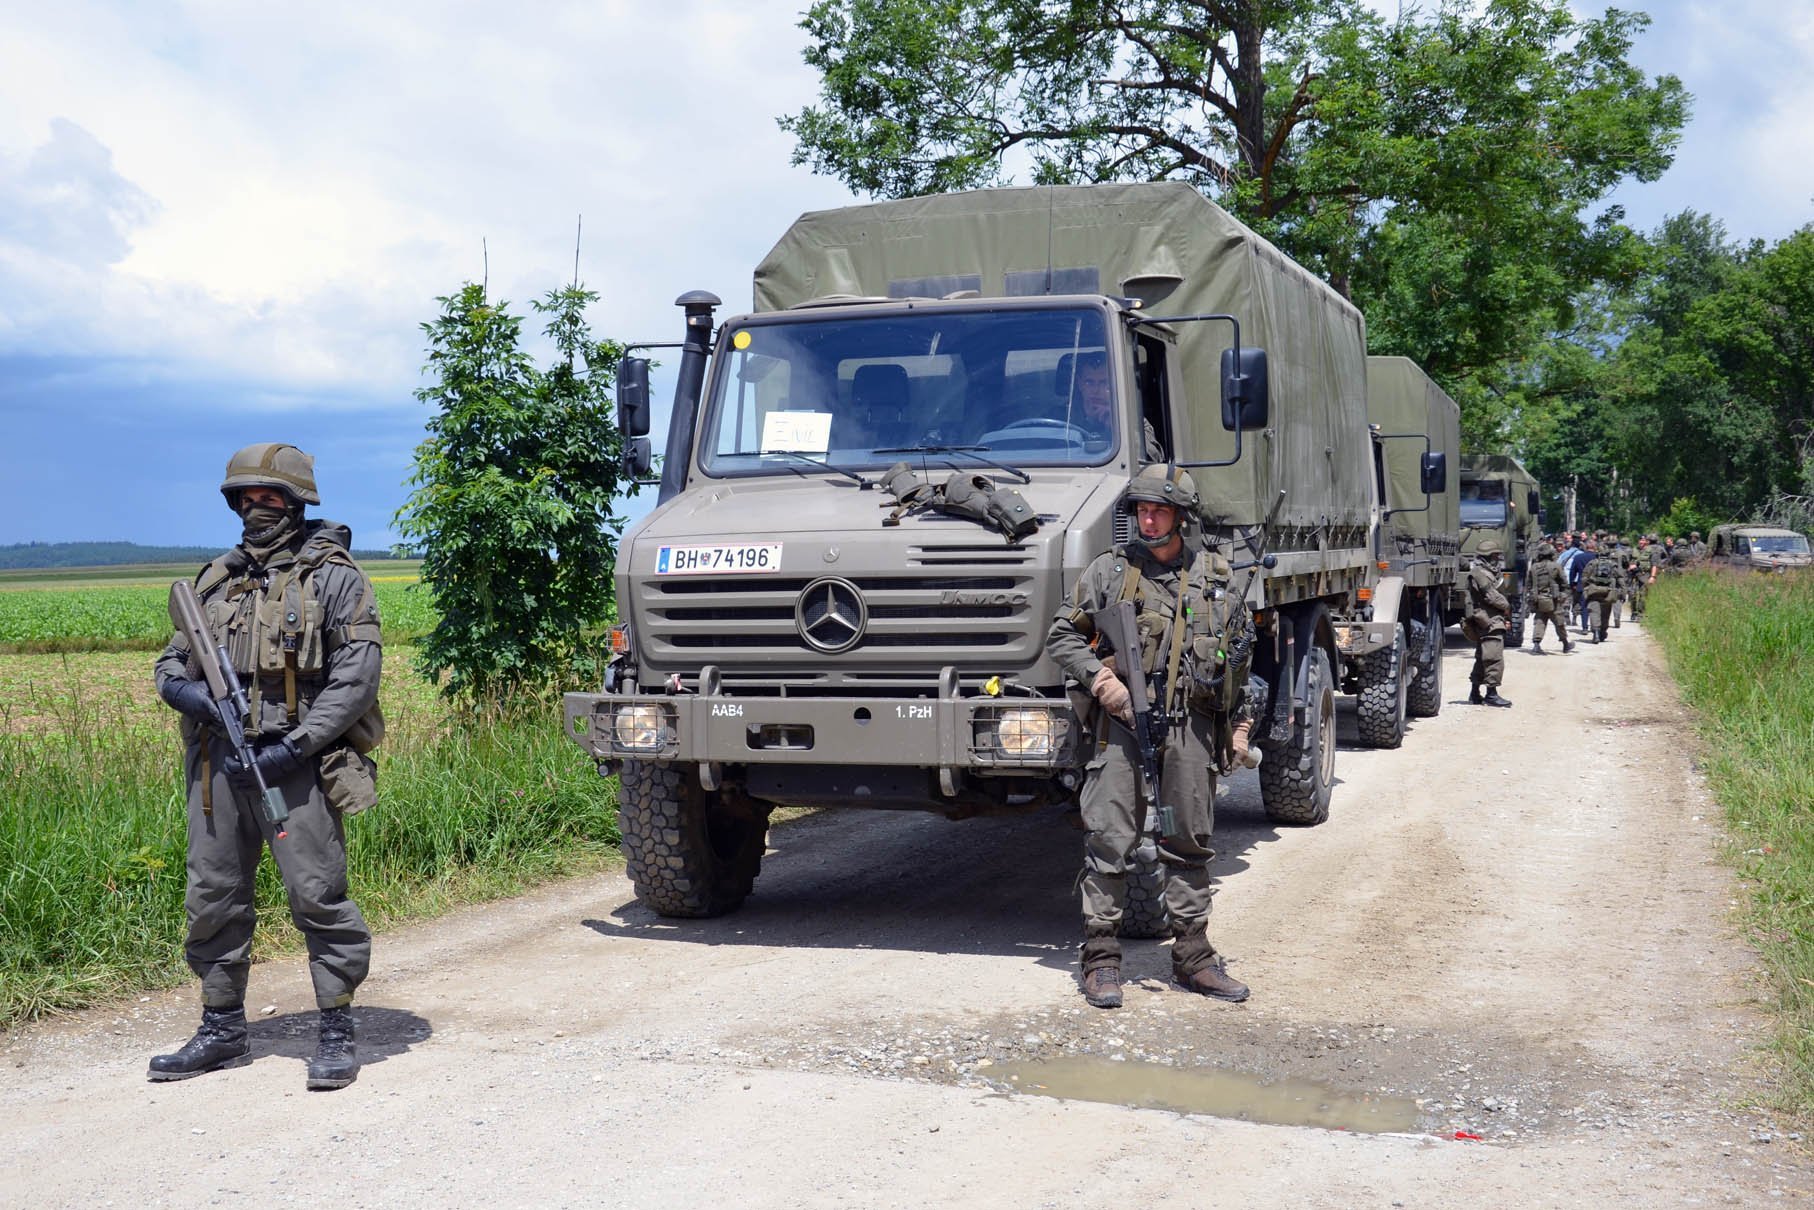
[(1587, 579)]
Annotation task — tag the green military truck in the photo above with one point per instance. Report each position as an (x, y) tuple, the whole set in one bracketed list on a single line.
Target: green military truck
[(1417, 440), (800, 626), (1499, 499), (1765, 548)]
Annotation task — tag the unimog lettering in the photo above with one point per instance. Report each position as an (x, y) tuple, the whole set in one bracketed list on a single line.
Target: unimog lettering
[(959, 597)]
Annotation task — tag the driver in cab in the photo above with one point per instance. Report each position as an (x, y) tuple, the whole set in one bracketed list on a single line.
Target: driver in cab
[(1092, 407)]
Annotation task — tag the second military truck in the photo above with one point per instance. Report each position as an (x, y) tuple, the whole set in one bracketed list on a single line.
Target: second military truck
[(880, 483)]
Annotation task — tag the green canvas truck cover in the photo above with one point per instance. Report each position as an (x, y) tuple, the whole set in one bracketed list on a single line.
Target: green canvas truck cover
[(1401, 398), (1121, 240)]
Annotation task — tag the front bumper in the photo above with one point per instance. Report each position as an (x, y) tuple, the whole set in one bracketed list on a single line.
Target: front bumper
[(951, 732)]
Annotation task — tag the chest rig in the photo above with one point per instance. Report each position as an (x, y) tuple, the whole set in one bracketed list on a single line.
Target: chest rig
[(274, 628), (1184, 633)]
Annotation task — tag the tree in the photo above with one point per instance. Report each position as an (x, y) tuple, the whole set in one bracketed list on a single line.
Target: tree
[(513, 492), (1440, 171)]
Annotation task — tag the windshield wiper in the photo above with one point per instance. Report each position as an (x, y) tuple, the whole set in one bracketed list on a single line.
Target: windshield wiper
[(865, 484), (967, 450)]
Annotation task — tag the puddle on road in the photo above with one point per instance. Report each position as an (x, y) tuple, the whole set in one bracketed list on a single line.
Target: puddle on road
[(1222, 1094)]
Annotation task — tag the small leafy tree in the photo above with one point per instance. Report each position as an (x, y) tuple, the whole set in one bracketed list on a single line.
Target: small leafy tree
[(513, 493)]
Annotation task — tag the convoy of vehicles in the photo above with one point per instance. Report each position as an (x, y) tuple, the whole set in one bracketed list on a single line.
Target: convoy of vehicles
[(879, 484)]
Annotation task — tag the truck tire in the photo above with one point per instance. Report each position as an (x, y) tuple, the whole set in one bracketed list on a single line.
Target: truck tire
[(1423, 699), (688, 852), (1143, 914), (1384, 677), (1295, 782), (1514, 634)]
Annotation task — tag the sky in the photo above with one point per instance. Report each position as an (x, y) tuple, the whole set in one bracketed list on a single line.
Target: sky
[(224, 221)]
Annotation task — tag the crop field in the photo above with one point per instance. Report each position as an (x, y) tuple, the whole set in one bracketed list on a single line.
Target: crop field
[(92, 805), (127, 611)]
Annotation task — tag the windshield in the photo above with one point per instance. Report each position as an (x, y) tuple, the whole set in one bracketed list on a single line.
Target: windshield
[(1030, 387), (1778, 544), (1483, 504)]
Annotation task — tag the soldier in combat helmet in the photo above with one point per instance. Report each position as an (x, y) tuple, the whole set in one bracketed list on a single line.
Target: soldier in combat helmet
[(1549, 598), (1488, 617), (300, 624), (1192, 632)]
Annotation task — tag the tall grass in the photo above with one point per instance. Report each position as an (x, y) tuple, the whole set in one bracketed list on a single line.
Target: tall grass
[(92, 827), (1742, 647)]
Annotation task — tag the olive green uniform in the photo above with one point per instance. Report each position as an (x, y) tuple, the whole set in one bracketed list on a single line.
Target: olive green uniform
[(1114, 812), (1489, 614), (1549, 597), (1602, 582), (322, 650)]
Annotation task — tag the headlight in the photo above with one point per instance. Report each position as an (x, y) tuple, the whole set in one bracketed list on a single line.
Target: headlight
[(1026, 732), (640, 728)]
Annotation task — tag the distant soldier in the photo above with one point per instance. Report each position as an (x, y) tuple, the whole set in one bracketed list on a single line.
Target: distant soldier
[(299, 622), (1644, 573), (1697, 549), (1188, 624), (1602, 583), (1489, 615), (1549, 595), (1621, 555)]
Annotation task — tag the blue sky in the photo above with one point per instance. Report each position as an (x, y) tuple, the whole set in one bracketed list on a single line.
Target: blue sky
[(222, 222)]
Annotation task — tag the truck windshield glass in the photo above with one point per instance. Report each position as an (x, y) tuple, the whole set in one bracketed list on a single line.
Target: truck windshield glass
[(1483, 505), (1777, 544), (1028, 387)]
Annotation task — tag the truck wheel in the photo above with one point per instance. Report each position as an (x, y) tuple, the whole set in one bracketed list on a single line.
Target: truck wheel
[(688, 852), (1514, 635), (1383, 685), (1295, 782), (1143, 914), (1424, 697)]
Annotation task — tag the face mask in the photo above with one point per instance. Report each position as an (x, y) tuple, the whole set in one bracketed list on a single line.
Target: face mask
[(267, 529)]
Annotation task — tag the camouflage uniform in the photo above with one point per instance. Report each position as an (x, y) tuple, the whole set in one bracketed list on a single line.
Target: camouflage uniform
[(1114, 812), (1550, 597), (1602, 582), (1487, 618), (309, 660)]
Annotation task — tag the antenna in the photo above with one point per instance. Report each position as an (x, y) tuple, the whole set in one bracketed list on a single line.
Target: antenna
[(578, 225), (485, 257), (1049, 204)]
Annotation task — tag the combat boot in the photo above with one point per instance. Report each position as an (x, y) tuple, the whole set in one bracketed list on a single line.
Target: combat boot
[(221, 1042), (1213, 980), (1492, 698), (1102, 986), (1474, 698), (1537, 647), (336, 1061), (1566, 645)]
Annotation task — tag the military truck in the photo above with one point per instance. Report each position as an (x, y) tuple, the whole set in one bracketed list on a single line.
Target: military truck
[(1499, 499), (880, 483), (1416, 431), (1764, 548)]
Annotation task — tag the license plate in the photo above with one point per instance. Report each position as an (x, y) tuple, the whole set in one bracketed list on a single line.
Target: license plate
[(735, 558)]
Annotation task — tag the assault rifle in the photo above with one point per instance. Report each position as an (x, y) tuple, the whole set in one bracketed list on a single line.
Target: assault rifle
[(224, 688), (1119, 626)]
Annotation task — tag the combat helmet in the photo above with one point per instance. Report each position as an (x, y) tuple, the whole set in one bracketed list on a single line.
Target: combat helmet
[(1157, 484), (271, 464), (1546, 551), (1489, 549)]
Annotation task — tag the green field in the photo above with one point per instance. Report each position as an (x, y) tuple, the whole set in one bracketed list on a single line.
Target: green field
[(124, 608), (92, 802), (1742, 648)]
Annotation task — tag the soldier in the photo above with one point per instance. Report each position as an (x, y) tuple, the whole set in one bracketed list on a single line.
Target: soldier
[(1181, 654), (1549, 598), (1602, 581), (1697, 549), (1643, 574), (1485, 623), (1621, 555), (300, 624), (1096, 394)]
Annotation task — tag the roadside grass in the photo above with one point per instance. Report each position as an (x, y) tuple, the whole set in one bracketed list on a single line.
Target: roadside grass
[(92, 824), (1742, 648)]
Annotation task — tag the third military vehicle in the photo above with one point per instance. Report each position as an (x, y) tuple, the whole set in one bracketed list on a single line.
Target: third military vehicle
[(880, 483), (1766, 548), (1499, 500)]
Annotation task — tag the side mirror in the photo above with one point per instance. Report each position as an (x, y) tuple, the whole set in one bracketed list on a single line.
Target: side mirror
[(633, 397), (1532, 504), (1433, 473), (639, 458), (1245, 390)]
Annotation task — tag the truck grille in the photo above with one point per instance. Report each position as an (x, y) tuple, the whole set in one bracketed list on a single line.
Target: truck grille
[(994, 620)]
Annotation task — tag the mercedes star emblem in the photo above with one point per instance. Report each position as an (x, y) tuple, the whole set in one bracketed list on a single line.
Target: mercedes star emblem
[(831, 615)]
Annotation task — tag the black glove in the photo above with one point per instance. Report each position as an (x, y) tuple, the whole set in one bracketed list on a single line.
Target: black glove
[(276, 759), (191, 699)]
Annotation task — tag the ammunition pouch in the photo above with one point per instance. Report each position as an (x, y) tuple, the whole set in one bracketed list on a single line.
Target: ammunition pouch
[(349, 779), (976, 497)]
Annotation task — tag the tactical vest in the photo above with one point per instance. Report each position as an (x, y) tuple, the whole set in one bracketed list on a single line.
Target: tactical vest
[(1190, 655), (274, 629), (1603, 572)]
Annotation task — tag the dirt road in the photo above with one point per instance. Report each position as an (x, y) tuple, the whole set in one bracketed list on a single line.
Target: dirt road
[(1517, 926)]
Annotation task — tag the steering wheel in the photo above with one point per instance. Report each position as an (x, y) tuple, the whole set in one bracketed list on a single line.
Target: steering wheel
[(1040, 430)]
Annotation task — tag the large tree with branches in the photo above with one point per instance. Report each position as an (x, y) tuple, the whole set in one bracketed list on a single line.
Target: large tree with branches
[(1445, 170)]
